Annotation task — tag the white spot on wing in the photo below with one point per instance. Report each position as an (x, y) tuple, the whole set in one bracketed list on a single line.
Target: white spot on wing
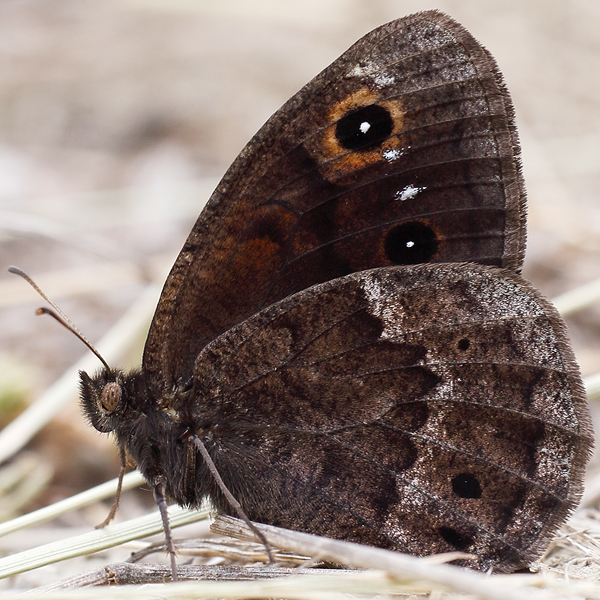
[(365, 126), (410, 191), (391, 155)]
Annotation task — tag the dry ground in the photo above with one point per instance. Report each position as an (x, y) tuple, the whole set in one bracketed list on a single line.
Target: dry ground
[(118, 116)]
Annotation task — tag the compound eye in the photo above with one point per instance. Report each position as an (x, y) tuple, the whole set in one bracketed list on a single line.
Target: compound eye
[(111, 396)]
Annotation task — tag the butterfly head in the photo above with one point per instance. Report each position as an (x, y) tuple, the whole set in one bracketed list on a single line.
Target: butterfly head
[(103, 398)]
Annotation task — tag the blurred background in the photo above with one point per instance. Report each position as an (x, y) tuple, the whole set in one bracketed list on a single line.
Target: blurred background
[(118, 117)]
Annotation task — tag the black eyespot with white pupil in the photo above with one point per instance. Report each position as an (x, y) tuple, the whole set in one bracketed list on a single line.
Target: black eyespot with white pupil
[(110, 398), (411, 243), (364, 128)]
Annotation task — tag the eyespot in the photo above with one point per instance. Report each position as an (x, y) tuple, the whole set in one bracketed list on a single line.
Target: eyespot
[(364, 128), (463, 344), (465, 485), (411, 243), (110, 398), (454, 538)]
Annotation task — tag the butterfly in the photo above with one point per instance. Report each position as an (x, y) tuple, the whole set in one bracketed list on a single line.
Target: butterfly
[(345, 335)]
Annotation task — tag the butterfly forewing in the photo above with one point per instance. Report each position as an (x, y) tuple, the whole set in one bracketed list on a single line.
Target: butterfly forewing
[(407, 408), (403, 151)]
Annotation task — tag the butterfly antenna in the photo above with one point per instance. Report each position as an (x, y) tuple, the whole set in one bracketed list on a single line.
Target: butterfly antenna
[(57, 313)]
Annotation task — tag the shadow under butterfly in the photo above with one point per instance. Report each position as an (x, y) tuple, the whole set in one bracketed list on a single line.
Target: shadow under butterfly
[(345, 332)]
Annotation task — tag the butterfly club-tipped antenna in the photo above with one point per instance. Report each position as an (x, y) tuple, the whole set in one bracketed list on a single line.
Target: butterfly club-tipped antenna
[(60, 316), (56, 313)]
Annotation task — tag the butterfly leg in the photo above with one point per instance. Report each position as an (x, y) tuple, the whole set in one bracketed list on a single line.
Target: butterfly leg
[(230, 498), (161, 501), (117, 500)]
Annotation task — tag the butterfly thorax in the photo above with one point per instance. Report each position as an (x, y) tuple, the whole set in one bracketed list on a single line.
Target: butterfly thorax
[(154, 429)]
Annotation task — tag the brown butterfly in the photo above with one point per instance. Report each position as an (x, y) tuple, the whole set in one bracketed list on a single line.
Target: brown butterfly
[(424, 408)]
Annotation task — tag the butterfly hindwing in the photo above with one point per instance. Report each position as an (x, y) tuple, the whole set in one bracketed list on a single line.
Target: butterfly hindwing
[(373, 418)]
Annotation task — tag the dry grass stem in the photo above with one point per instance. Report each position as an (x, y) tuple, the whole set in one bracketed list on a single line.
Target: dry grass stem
[(96, 540)]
